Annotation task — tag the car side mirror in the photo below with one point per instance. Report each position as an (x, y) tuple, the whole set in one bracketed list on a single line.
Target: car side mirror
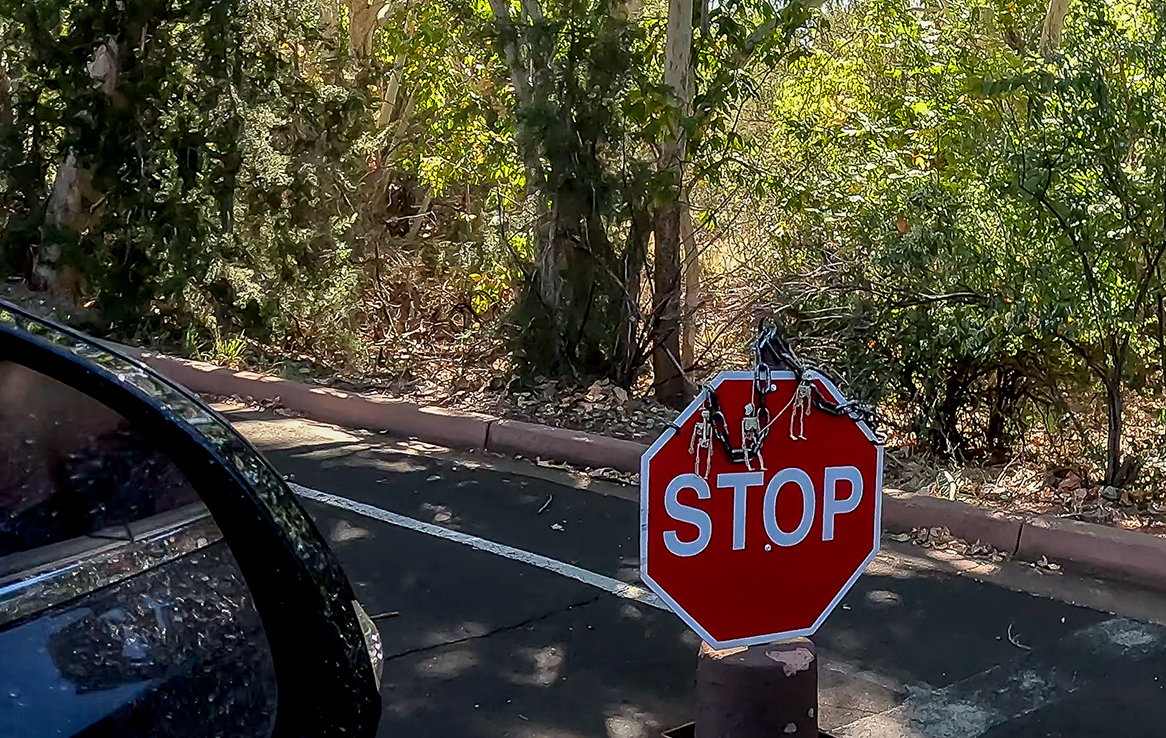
[(156, 573)]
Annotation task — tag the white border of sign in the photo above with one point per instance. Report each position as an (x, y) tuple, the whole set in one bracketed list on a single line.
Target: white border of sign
[(666, 436)]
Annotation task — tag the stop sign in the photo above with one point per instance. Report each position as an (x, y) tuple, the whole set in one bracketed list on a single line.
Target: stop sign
[(747, 555)]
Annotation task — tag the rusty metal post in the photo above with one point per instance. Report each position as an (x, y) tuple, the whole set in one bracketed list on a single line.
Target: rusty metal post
[(759, 692)]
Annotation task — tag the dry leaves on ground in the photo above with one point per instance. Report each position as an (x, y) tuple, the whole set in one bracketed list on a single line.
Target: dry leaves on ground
[(1025, 485), (942, 539), (605, 473)]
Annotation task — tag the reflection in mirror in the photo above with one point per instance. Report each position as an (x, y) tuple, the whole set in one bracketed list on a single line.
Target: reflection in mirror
[(217, 434), (122, 609), (70, 467), (265, 506)]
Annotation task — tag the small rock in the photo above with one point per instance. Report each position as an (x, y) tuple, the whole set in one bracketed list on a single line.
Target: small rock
[(1111, 493), (1070, 483), (595, 392), (557, 526)]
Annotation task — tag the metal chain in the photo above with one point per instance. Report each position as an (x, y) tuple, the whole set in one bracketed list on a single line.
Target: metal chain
[(772, 352), (721, 427)]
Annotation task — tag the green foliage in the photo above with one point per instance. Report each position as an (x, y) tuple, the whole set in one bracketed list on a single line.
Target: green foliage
[(590, 177), (1088, 159), (974, 229), (964, 229), (899, 252), (592, 118), (218, 168), (450, 124), (924, 320), (1087, 163)]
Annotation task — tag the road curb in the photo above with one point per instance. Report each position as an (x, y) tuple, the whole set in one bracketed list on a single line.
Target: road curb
[(516, 438), (903, 511), (1130, 556), (1097, 549), (453, 428)]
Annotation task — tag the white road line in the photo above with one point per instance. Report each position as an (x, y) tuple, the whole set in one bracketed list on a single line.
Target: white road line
[(607, 584)]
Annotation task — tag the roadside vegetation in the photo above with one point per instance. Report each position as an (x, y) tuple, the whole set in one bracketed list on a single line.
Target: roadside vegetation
[(577, 210)]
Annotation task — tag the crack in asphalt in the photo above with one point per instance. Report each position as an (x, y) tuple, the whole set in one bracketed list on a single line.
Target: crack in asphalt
[(495, 631)]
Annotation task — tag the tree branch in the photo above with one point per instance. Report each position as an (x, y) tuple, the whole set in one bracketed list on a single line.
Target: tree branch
[(1081, 351)]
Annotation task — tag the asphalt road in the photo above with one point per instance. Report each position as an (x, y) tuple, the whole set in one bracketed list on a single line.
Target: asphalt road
[(478, 644)]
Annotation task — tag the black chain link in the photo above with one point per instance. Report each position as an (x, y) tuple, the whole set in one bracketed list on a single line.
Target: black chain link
[(772, 353)]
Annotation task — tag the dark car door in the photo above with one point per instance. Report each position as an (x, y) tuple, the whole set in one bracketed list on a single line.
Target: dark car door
[(156, 577)]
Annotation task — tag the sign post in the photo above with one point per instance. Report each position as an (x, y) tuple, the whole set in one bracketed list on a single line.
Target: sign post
[(760, 508)]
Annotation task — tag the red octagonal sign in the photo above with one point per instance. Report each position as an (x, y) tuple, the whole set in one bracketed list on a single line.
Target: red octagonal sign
[(756, 550)]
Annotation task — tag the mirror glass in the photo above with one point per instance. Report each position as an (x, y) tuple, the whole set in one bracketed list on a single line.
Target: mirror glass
[(122, 609)]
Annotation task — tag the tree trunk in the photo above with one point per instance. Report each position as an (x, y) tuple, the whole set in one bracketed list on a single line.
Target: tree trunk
[(692, 277), (572, 297), (1161, 327), (364, 18), (329, 17), (670, 385), (628, 348), (671, 388), (1113, 406), (73, 203), (1002, 407), (420, 216), (7, 114), (392, 90), (520, 80), (389, 100), (946, 437), (1050, 30)]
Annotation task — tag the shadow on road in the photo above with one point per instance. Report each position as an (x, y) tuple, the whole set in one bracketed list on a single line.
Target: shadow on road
[(480, 645)]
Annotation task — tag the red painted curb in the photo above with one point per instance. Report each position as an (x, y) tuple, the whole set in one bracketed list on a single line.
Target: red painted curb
[(902, 512), (433, 424), (1098, 549), (515, 437), (1111, 552)]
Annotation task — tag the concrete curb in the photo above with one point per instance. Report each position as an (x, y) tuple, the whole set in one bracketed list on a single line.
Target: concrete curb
[(436, 425), (1097, 549), (517, 438), (903, 511)]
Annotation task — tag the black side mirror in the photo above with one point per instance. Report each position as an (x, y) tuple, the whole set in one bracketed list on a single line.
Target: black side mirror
[(154, 563)]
